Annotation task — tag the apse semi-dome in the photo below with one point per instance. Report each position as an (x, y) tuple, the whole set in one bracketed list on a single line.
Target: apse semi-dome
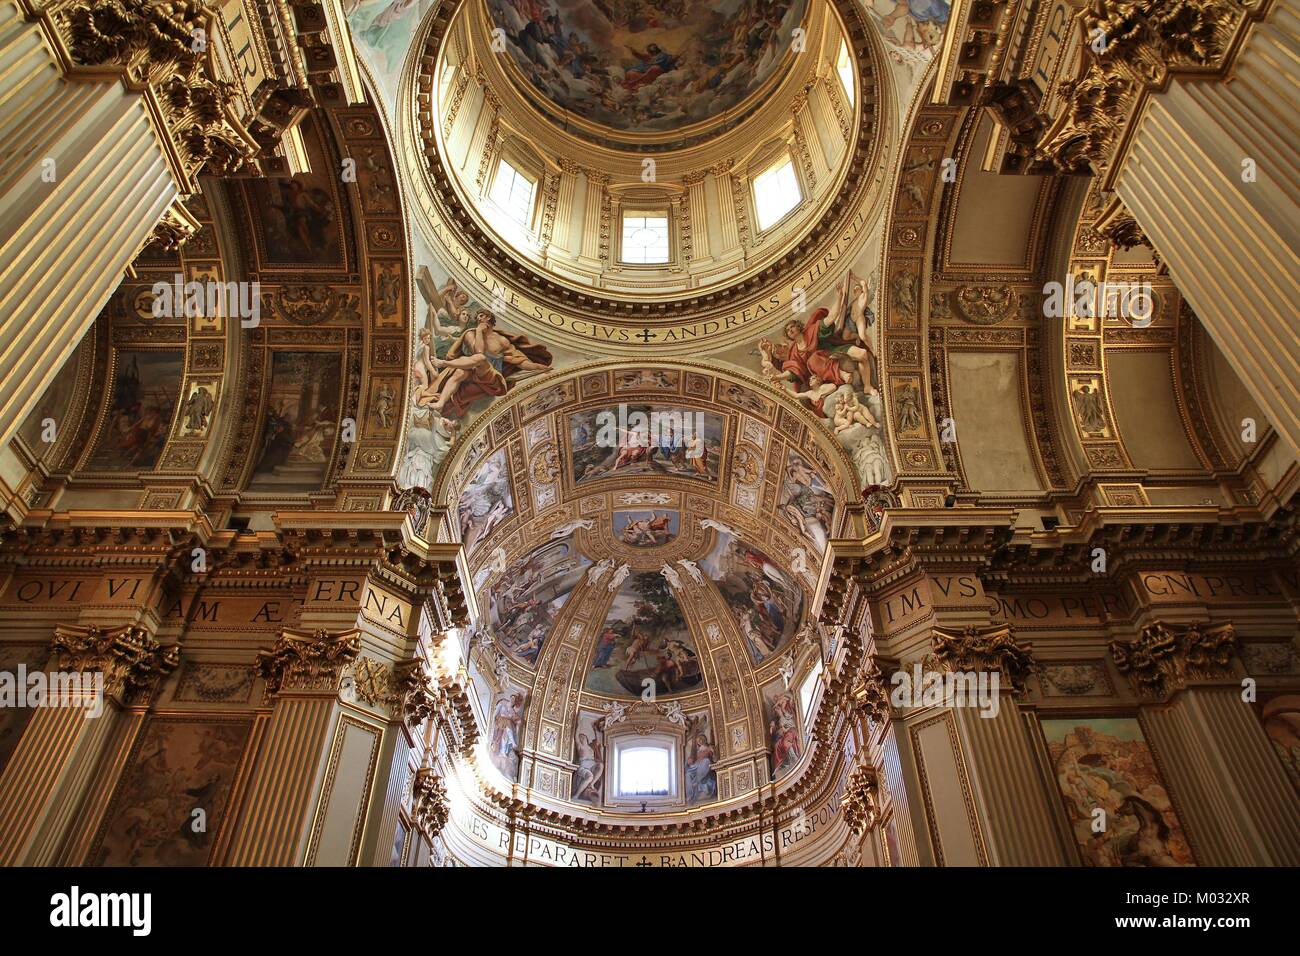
[(643, 545), (612, 67)]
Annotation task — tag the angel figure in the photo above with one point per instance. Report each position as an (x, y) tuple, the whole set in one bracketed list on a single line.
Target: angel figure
[(599, 570), (786, 669), (619, 576), (799, 564), (671, 576), (615, 713), (849, 412), (693, 569), (445, 312), (718, 526), (566, 529)]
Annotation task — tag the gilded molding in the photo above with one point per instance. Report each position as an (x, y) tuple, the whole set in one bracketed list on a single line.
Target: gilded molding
[(176, 227), (302, 661), (1117, 225), (429, 805), (860, 802), (417, 690), (1163, 658), (1131, 47), (154, 46), (129, 658), (869, 694)]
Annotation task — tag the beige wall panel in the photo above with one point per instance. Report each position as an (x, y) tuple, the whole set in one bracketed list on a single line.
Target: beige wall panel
[(1142, 394), (986, 405), (995, 213), (945, 785), (338, 835)]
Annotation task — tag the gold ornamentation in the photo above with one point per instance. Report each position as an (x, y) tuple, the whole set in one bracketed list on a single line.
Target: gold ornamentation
[(154, 45), (1117, 225), (860, 802), (545, 467), (301, 661), (1130, 47), (429, 806), (990, 648), (870, 692), (176, 227), (308, 305), (1163, 659), (373, 683), (985, 305), (130, 660), (419, 694)]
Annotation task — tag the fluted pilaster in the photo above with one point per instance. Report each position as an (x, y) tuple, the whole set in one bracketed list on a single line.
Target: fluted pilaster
[(84, 178), (1234, 794)]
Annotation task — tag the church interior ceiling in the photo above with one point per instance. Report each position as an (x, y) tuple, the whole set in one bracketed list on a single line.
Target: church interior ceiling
[(697, 500)]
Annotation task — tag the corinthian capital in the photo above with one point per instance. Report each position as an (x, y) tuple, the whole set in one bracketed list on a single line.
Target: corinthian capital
[(165, 51), (1163, 658), (130, 660), (302, 661), (991, 649)]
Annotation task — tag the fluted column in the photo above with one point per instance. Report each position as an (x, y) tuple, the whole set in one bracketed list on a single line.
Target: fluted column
[(1234, 794), (44, 783), (303, 674), (1007, 778), (1211, 178), (83, 181)]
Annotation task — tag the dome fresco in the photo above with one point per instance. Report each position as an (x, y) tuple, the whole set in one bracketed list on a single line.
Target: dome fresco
[(639, 67)]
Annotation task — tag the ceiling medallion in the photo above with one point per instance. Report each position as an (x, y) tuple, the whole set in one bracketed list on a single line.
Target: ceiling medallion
[(985, 305)]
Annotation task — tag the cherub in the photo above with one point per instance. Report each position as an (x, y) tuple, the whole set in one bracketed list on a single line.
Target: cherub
[(816, 391), (849, 412)]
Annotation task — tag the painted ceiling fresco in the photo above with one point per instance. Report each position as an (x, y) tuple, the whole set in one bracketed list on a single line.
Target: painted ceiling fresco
[(618, 581), (637, 66)]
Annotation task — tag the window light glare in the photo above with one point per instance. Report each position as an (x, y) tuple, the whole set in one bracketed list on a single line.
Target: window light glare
[(644, 772), (645, 238), (512, 191), (776, 192), (844, 66)]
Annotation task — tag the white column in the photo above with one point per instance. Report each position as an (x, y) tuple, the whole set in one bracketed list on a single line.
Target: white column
[(1231, 245)]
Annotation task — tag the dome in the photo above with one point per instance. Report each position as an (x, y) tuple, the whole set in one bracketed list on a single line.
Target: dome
[(630, 68), (646, 174)]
